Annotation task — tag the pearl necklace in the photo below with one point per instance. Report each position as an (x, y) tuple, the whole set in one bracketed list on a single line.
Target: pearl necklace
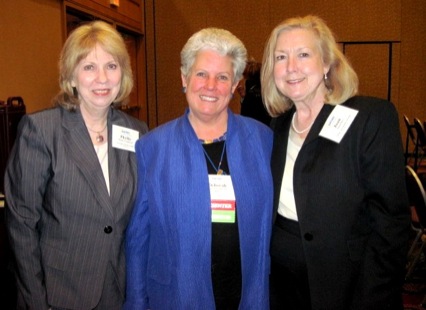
[(99, 138), (300, 131)]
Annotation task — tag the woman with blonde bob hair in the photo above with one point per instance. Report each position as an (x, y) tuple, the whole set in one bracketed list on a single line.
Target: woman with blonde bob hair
[(80, 43), (340, 216), (341, 82), (71, 181)]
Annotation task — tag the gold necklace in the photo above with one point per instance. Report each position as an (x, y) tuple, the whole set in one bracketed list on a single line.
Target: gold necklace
[(99, 137)]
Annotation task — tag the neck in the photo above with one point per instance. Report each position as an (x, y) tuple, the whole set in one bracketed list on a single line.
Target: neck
[(208, 130), (95, 121), (304, 117)]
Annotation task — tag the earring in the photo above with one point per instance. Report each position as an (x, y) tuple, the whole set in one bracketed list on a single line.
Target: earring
[(184, 90), (325, 76)]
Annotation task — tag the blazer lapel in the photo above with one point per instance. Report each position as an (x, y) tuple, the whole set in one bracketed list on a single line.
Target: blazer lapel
[(319, 123), (81, 151), (281, 129), (118, 161)]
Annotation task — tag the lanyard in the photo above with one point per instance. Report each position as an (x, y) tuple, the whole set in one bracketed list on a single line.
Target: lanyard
[(218, 170)]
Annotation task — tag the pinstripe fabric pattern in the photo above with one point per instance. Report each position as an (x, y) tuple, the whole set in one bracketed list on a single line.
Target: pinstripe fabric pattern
[(59, 206)]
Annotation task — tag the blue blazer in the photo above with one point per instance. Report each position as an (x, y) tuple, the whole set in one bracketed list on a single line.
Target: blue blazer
[(168, 240)]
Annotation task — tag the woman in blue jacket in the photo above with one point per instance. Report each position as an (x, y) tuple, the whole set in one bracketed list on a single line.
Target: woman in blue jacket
[(200, 231)]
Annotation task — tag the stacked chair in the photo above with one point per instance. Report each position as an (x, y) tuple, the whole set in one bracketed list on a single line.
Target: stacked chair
[(416, 138), (417, 197)]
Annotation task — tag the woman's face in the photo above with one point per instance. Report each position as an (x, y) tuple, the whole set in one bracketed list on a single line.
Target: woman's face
[(97, 79), (298, 66), (209, 85)]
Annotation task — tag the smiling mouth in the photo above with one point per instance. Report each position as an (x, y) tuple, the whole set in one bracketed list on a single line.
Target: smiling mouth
[(208, 98), (101, 91), (295, 81)]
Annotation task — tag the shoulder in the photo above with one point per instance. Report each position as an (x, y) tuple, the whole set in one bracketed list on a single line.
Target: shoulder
[(42, 120), (129, 120), (251, 131), (162, 136), (161, 141), (372, 109), (53, 113), (374, 116), (251, 125), (369, 104)]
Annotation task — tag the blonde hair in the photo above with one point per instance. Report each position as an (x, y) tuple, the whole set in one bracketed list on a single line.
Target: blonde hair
[(78, 45), (341, 82)]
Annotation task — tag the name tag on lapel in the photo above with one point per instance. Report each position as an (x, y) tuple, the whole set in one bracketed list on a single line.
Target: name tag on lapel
[(338, 123), (124, 138)]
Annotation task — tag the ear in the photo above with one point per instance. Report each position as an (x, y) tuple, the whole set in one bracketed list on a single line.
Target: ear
[(326, 69), (234, 86), (184, 82)]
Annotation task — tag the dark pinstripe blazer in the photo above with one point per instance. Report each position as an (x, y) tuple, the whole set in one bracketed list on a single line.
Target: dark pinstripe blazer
[(65, 229), (352, 207)]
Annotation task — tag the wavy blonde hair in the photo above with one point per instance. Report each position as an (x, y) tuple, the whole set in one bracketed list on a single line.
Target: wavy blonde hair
[(342, 80), (78, 45)]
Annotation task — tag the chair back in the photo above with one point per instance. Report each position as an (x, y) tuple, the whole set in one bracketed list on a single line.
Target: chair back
[(421, 134), (410, 129), (411, 136), (416, 194)]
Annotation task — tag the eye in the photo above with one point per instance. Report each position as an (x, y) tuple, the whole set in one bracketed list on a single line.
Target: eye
[(303, 55), (112, 66), (88, 67), (280, 57), (200, 74), (223, 77)]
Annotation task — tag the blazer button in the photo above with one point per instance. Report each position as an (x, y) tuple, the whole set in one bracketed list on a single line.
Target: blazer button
[(308, 237), (108, 229)]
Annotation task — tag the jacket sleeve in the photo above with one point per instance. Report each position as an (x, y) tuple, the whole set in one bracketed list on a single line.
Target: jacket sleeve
[(382, 171), (137, 241), (26, 177)]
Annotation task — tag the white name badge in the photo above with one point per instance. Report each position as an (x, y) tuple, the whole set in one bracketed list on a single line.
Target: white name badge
[(124, 138), (222, 198), (338, 123)]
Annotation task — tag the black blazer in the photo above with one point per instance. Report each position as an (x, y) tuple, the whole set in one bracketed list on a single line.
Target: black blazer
[(65, 229), (352, 207)]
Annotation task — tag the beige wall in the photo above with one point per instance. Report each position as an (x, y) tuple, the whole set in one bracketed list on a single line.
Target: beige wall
[(30, 42), (31, 38), (351, 20)]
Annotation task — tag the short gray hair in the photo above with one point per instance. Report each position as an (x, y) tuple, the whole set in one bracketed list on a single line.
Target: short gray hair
[(219, 40)]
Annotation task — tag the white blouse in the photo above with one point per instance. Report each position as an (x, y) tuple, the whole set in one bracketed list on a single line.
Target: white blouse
[(287, 204)]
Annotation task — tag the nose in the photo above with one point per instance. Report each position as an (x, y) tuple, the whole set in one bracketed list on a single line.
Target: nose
[(102, 76), (291, 63), (211, 83)]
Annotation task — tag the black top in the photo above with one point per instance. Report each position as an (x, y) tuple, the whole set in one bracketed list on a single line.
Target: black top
[(252, 104), (226, 258)]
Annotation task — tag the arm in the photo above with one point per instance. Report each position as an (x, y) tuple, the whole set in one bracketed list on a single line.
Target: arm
[(137, 241), (382, 169), (26, 177)]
